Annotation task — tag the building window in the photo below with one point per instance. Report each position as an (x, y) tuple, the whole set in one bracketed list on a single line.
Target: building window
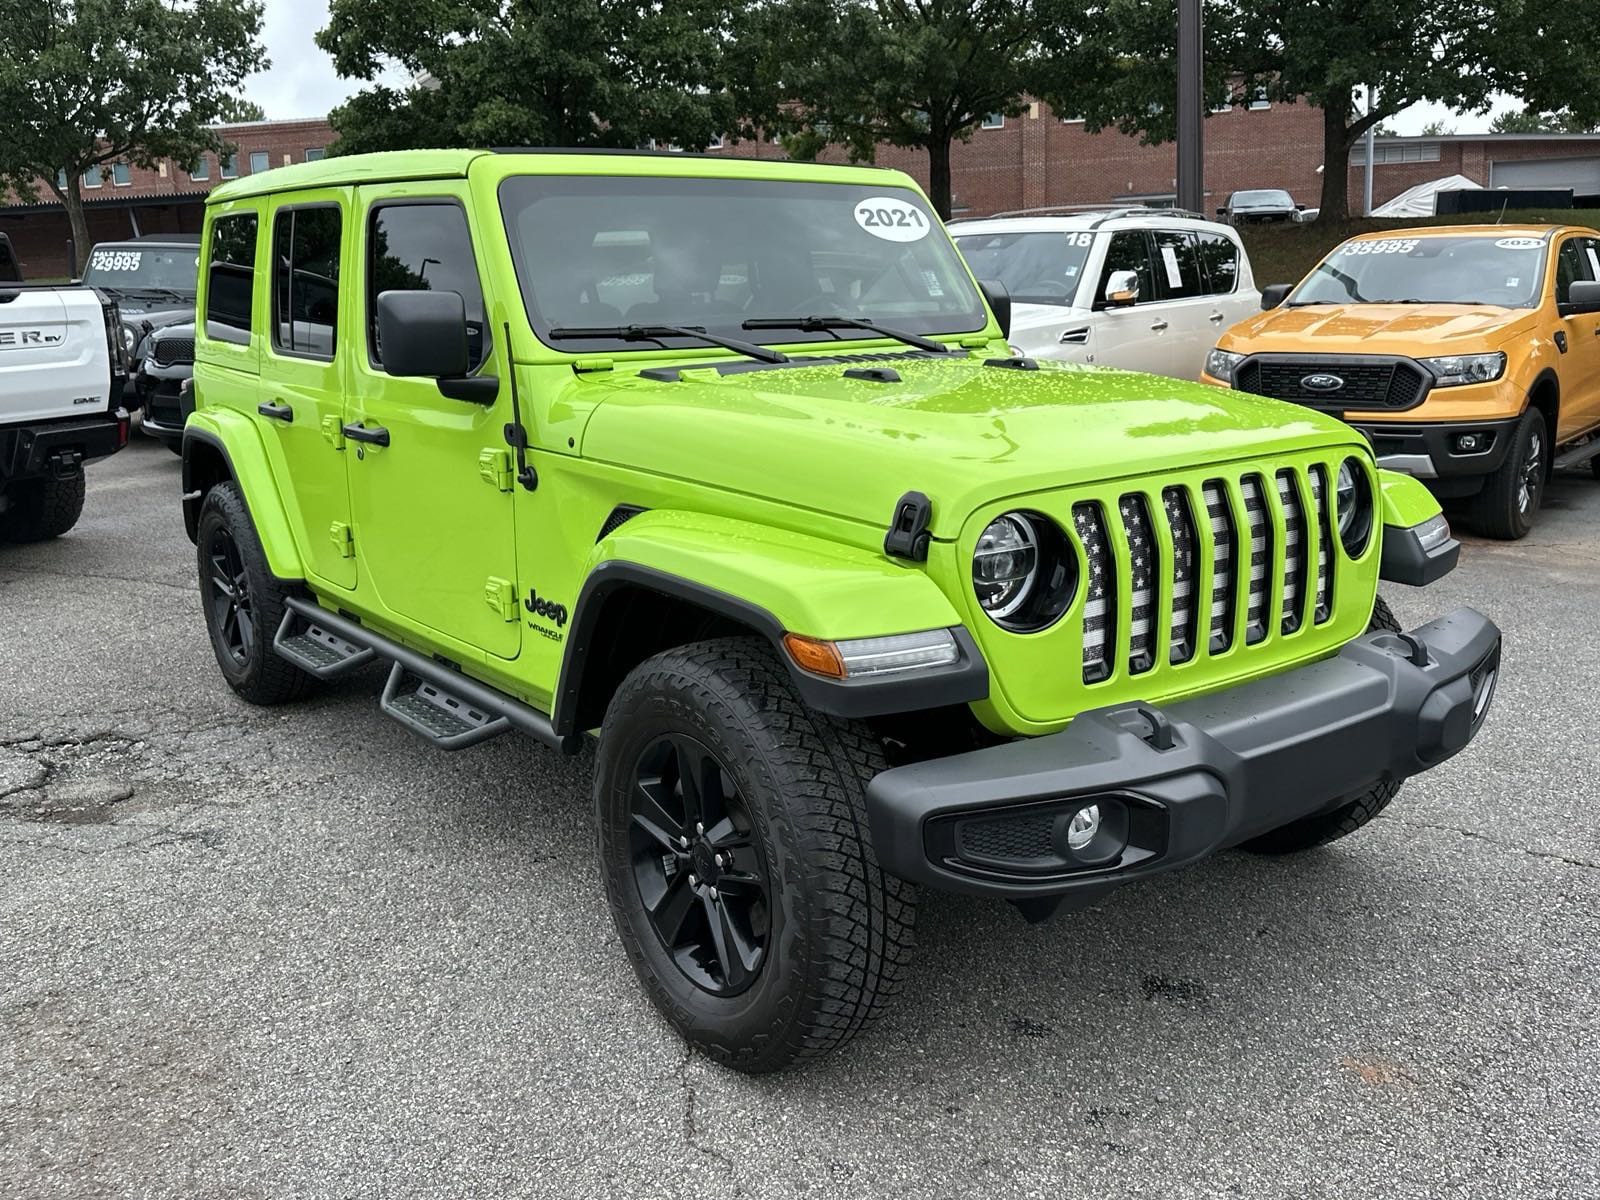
[(202, 170), (259, 161), (93, 177), (1224, 102), (994, 121), (1258, 99), (230, 166), (316, 154), (715, 143), (1396, 152), (121, 174), (61, 179), (1078, 120)]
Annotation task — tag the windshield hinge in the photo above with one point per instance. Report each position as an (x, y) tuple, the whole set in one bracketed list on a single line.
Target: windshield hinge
[(908, 535)]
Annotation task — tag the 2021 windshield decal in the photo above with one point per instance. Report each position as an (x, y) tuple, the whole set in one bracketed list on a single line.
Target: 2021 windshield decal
[(892, 219)]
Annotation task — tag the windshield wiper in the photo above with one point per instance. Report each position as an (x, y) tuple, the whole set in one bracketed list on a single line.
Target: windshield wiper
[(166, 293), (654, 333), (821, 324)]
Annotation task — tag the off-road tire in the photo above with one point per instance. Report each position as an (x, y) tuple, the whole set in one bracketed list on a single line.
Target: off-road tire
[(1323, 827), (840, 930), (260, 676), (42, 509), (1498, 510)]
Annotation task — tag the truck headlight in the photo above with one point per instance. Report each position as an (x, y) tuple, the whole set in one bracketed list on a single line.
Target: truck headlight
[(1455, 370), (1353, 505), (130, 339), (1221, 364), (1024, 571)]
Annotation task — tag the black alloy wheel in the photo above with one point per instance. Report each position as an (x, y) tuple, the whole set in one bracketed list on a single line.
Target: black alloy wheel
[(233, 616), (701, 875)]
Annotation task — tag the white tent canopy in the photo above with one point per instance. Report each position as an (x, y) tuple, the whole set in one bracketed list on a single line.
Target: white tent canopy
[(1419, 201)]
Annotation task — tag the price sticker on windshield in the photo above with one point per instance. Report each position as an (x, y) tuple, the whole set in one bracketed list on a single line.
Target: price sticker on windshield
[(892, 219), (1380, 246), (115, 260)]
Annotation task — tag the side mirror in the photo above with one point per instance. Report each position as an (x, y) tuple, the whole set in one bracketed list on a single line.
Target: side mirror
[(1274, 294), (425, 334), (1222, 212), (1122, 289), (1299, 208), (998, 297), (1583, 297)]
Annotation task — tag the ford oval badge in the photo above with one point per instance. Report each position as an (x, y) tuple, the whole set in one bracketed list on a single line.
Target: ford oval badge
[(1321, 383)]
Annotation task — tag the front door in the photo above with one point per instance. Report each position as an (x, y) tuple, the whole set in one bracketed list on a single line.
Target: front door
[(434, 528), (1131, 336), (1579, 259)]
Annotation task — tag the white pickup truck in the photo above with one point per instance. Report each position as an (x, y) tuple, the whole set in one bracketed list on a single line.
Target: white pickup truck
[(62, 371)]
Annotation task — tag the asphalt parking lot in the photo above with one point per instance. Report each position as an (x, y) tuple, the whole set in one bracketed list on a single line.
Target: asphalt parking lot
[(298, 953)]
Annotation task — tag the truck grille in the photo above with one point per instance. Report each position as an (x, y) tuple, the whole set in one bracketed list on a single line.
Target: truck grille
[(170, 351), (1383, 384), (1249, 573)]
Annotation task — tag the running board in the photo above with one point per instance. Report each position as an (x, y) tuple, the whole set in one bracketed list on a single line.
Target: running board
[(1579, 455), (316, 651), (454, 694)]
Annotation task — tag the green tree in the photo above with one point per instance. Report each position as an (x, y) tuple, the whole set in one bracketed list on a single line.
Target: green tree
[(87, 83), (920, 74), (614, 73)]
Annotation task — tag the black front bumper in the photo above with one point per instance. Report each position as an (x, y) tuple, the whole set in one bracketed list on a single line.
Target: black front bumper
[(166, 403), (1429, 451), (1174, 784)]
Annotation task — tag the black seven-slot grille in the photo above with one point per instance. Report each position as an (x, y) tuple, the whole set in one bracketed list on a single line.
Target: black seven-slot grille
[(1244, 517), (168, 351), (1389, 384)]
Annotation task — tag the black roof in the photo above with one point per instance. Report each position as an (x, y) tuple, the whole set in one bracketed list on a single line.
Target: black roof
[(155, 239)]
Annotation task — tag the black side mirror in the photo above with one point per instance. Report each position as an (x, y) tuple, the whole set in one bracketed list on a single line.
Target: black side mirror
[(1222, 212), (998, 297), (1583, 297), (425, 333), (1274, 294)]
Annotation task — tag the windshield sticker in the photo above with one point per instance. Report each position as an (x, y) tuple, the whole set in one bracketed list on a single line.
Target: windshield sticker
[(1518, 243), (1513, 281), (115, 260), (930, 280), (1380, 246), (891, 219), (1594, 261), (1169, 256), (1082, 240)]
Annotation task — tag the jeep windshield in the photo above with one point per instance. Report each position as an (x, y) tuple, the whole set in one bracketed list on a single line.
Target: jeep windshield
[(596, 252), (137, 267), (1486, 269), (1037, 268)]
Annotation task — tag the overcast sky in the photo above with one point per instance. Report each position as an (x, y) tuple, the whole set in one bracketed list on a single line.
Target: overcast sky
[(301, 82)]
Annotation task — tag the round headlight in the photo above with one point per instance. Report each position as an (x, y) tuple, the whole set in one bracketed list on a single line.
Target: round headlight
[(1023, 571), (129, 338), (1353, 504)]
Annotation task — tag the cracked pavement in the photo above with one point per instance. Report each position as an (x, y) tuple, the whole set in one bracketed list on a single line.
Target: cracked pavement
[(297, 953)]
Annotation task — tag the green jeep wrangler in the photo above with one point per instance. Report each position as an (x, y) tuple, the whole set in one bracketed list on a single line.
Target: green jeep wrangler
[(728, 465)]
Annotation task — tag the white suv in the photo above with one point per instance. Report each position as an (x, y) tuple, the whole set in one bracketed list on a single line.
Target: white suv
[(1146, 289)]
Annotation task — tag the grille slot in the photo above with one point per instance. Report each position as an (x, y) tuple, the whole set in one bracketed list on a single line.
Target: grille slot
[(1099, 613), (1294, 551), (1260, 525), (1180, 523), (1384, 384), (1224, 555), (1324, 593), (1144, 562)]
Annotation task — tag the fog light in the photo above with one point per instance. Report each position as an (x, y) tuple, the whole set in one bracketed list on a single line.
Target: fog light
[(1471, 443), (1085, 824)]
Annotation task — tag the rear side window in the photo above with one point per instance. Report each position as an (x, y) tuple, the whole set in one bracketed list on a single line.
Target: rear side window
[(1219, 259), (1177, 265), (305, 280), (1129, 251), (9, 272), (425, 247), (232, 274)]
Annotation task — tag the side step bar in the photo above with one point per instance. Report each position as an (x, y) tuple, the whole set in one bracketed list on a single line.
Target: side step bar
[(435, 701), (1578, 455), (316, 651)]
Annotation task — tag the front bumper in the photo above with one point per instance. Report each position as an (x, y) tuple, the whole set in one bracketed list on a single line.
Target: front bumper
[(1177, 783), (161, 392), (1431, 452)]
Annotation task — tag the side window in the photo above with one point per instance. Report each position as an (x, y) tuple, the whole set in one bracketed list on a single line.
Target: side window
[(9, 272), (1129, 251), (425, 247), (305, 280), (1219, 260), (232, 275), (1178, 266), (1572, 265)]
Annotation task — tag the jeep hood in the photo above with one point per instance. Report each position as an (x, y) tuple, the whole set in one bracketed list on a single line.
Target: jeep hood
[(1413, 329), (960, 432)]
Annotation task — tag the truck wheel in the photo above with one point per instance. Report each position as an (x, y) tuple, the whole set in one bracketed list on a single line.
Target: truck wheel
[(243, 601), (1356, 811), (1510, 497), (42, 509), (737, 861)]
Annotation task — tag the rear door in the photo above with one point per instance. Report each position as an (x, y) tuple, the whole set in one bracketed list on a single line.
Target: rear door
[(433, 507)]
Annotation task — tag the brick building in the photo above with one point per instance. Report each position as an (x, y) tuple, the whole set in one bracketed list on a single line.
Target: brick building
[(1492, 160), (127, 201)]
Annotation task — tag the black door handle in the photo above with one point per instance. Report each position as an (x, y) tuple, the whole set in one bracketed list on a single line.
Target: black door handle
[(376, 436), (278, 412)]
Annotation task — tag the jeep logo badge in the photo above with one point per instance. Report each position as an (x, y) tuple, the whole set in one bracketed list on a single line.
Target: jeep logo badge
[(550, 611), (1321, 383)]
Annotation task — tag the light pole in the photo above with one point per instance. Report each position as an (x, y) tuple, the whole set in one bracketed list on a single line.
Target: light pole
[(1191, 107)]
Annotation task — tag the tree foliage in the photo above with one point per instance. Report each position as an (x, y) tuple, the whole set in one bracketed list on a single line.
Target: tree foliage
[(87, 83), (920, 74), (617, 73), (1528, 121)]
